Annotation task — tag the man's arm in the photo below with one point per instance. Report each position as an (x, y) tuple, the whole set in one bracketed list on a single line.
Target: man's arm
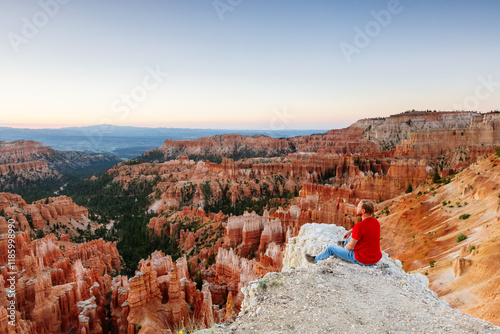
[(351, 244)]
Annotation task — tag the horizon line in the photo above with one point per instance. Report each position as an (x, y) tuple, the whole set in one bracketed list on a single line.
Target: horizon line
[(27, 127)]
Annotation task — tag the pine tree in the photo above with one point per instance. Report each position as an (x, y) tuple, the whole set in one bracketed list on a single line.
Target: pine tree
[(436, 178)]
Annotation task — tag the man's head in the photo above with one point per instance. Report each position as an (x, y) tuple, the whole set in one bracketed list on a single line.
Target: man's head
[(365, 206)]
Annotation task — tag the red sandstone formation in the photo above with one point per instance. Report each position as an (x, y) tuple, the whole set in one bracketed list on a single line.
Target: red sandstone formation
[(27, 160), (225, 145), (45, 214), (332, 171), (373, 158), (55, 294), (422, 230), (12, 152), (160, 297), (344, 141)]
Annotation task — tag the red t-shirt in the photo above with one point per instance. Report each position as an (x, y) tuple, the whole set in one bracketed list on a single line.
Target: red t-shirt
[(367, 249)]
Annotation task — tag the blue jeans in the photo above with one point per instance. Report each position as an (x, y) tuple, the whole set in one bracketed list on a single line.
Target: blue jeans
[(340, 252)]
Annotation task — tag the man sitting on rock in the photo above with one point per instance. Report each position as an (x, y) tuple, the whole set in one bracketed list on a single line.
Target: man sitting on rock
[(363, 240)]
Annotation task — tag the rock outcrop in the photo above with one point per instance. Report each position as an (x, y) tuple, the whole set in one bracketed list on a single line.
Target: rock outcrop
[(54, 214), (160, 298), (450, 232), (224, 146), (24, 162), (55, 291), (318, 297)]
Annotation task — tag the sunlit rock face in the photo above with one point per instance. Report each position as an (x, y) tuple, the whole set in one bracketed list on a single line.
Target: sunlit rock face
[(226, 146), (60, 286), (54, 214), (161, 297), (321, 179), (450, 232)]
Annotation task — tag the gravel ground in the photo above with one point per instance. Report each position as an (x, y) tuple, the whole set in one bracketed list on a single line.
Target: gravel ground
[(339, 297)]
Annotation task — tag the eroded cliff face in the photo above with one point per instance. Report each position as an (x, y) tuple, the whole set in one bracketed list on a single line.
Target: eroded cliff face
[(308, 298), (26, 161), (390, 131), (160, 298), (223, 146), (340, 168), (14, 152), (421, 229), (60, 287), (59, 215), (321, 182), (23, 151)]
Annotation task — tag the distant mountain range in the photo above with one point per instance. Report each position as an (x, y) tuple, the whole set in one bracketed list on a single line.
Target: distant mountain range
[(125, 142)]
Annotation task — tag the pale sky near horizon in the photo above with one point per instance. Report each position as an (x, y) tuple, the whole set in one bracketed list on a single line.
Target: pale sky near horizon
[(243, 64)]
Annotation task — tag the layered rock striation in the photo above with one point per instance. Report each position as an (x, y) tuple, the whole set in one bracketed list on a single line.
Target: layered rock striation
[(55, 291), (450, 232)]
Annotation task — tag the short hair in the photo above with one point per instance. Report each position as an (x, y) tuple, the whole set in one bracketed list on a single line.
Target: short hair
[(368, 206)]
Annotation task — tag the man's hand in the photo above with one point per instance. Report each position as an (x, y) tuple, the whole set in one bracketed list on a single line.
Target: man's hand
[(347, 234), (351, 244)]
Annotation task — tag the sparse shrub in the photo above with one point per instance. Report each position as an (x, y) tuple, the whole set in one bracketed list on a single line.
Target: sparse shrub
[(138, 327), (211, 259), (436, 178), (444, 203), (432, 263), (471, 248), (409, 189), (498, 152), (263, 285), (461, 237), (464, 216), (386, 210)]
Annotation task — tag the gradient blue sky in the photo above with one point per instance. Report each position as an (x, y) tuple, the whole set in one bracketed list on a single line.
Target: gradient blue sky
[(268, 64)]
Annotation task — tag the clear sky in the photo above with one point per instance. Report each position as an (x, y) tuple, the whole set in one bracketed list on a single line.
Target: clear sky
[(243, 64)]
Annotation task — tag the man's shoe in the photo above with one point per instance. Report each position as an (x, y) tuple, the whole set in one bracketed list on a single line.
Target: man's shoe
[(310, 258), (341, 243)]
